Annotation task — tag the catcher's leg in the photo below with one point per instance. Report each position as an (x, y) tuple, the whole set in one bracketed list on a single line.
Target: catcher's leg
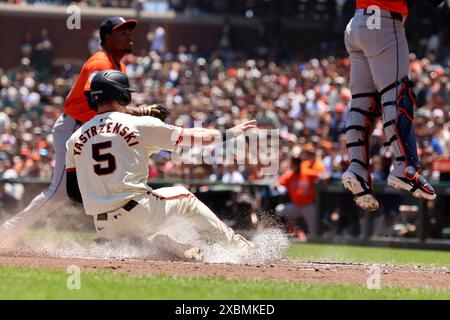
[(389, 68), (180, 201), (52, 198), (398, 118), (359, 126)]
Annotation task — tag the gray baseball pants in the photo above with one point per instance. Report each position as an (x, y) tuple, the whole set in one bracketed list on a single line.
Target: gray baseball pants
[(379, 82)]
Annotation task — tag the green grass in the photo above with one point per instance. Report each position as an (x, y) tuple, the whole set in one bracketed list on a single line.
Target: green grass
[(27, 283), (339, 253)]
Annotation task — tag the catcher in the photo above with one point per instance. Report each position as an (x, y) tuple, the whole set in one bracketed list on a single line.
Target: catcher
[(107, 169), (116, 35), (380, 86)]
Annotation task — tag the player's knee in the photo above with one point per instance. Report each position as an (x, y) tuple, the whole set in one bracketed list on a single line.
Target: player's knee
[(184, 190), (401, 97), (399, 113), (184, 195), (363, 103), (177, 191), (365, 108)]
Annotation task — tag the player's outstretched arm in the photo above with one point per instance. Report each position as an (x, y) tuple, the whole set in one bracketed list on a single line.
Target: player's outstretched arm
[(204, 137), (242, 128), (154, 110)]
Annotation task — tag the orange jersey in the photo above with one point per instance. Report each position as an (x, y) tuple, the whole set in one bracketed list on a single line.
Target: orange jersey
[(76, 104), (300, 187), (398, 6), (313, 167)]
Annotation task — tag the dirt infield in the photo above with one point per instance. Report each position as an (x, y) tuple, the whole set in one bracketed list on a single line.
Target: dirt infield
[(285, 270)]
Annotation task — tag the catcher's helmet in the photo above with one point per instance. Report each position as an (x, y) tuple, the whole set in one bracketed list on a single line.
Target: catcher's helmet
[(111, 85)]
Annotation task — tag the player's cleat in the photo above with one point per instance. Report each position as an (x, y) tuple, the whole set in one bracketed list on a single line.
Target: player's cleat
[(177, 250), (361, 191), (243, 243), (194, 254), (411, 180)]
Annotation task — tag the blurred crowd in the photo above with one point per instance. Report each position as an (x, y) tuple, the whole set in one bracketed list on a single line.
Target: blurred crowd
[(307, 101)]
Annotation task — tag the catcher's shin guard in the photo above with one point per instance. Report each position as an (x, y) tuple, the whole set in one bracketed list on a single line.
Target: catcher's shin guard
[(365, 108), (398, 116)]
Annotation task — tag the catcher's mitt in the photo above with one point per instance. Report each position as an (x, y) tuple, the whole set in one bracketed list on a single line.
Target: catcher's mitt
[(155, 110)]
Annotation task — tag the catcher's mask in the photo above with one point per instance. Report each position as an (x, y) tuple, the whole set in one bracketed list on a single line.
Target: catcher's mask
[(111, 85)]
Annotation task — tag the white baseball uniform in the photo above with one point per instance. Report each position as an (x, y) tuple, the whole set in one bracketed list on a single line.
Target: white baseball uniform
[(110, 156)]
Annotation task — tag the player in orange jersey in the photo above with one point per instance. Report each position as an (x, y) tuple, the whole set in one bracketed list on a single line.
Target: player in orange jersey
[(116, 35)]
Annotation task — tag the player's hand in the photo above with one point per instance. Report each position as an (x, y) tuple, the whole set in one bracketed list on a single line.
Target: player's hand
[(159, 111), (243, 127), (155, 110)]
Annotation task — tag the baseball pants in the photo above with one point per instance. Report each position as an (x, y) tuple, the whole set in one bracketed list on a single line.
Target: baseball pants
[(155, 207), (52, 198), (379, 73)]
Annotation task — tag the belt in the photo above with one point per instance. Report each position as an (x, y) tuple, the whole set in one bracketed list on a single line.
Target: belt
[(127, 207), (394, 15)]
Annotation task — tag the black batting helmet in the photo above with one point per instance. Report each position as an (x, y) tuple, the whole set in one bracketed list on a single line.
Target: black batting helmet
[(111, 85)]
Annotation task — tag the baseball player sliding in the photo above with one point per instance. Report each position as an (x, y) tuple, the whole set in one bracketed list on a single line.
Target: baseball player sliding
[(117, 41), (380, 85), (107, 168)]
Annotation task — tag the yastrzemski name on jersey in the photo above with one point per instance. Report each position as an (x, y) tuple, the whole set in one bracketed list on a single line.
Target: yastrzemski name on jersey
[(107, 127)]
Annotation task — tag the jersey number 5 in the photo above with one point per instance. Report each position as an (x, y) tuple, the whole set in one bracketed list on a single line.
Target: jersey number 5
[(99, 157)]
